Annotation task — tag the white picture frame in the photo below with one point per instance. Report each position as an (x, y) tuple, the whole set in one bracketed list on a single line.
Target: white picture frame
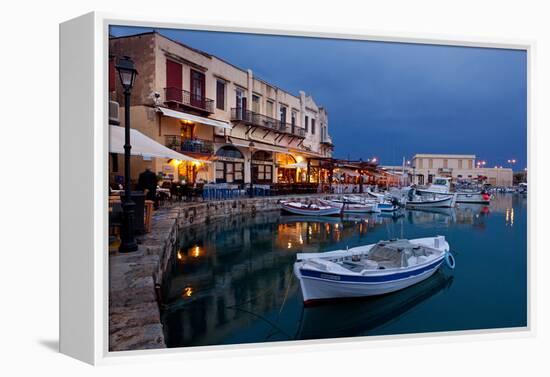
[(83, 180)]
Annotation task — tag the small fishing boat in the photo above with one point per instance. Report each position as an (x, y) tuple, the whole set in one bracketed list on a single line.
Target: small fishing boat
[(478, 197), (352, 206), (439, 201), (312, 209), (442, 186), (370, 270)]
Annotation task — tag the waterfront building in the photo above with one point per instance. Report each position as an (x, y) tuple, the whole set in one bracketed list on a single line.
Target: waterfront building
[(460, 167), (243, 127)]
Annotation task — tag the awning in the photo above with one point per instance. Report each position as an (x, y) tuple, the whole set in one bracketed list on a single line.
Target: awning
[(143, 146), (348, 172), (299, 165), (193, 118), (305, 153), (256, 145)]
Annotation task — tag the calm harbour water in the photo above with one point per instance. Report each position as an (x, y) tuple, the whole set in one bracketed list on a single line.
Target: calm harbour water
[(231, 281)]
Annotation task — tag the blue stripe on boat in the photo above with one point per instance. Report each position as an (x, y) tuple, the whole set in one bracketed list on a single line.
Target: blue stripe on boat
[(368, 279)]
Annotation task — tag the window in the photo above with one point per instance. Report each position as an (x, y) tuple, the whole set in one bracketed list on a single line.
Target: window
[(269, 109), (445, 163), (262, 167), (307, 123), (420, 163), (293, 120), (283, 115), (256, 103), (470, 163), (229, 151), (198, 84), (240, 102), (114, 162), (312, 126), (460, 164), (430, 164), (220, 95), (228, 167)]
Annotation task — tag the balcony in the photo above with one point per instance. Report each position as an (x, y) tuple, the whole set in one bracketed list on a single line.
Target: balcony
[(255, 119), (194, 145), (176, 97), (326, 140)]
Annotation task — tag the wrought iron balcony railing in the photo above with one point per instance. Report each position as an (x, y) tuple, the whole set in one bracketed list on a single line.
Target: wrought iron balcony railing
[(193, 145), (250, 117), (184, 98)]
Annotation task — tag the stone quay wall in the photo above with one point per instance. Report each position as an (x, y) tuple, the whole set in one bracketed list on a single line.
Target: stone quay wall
[(135, 278)]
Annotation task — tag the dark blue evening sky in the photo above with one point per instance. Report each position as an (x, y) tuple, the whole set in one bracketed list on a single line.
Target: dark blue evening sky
[(391, 100)]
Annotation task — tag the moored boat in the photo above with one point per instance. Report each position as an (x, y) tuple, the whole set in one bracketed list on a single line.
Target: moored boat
[(439, 201), (442, 186), (369, 270), (312, 209), (478, 197), (352, 206)]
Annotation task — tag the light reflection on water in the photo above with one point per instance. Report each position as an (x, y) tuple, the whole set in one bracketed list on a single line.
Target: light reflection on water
[(231, 281)]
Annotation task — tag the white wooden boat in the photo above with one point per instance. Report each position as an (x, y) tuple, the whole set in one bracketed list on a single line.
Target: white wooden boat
[(434, 201), (442, 185), (352, 206), (369, 270), (297, 208), (478, 197)]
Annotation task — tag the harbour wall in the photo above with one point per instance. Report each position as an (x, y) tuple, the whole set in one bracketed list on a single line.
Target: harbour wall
[(135, 278)]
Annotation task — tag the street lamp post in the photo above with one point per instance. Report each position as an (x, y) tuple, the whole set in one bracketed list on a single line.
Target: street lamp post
[(127, 73)]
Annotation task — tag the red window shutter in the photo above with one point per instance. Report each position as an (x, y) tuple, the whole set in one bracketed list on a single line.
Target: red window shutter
[(174, 83), (112, 75)]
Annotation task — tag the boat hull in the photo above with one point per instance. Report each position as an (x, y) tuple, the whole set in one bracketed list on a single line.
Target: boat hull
[(447, 202), (318, 285), (352, 208), (333, 211), (476, 198)]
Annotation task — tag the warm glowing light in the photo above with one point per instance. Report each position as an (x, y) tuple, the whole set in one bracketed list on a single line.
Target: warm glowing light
[(176, 162), (196, 252), (180, 257), (289, 246), (187, 292), (301, 240), (299, 159)]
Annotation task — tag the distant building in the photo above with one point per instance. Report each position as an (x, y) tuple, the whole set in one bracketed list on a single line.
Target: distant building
[(460, 167)]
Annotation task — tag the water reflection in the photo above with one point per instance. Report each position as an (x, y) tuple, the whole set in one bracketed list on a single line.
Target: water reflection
[(231, 281), (358, 317)]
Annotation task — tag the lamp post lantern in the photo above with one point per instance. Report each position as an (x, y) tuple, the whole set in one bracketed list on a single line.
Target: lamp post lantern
[(127, 73)]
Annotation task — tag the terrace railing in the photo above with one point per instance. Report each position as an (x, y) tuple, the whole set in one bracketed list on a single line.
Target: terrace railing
[(192, 145), (250, 117), (182, 97)]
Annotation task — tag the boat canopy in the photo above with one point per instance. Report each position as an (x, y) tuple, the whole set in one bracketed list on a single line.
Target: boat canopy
[(396, 253)]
